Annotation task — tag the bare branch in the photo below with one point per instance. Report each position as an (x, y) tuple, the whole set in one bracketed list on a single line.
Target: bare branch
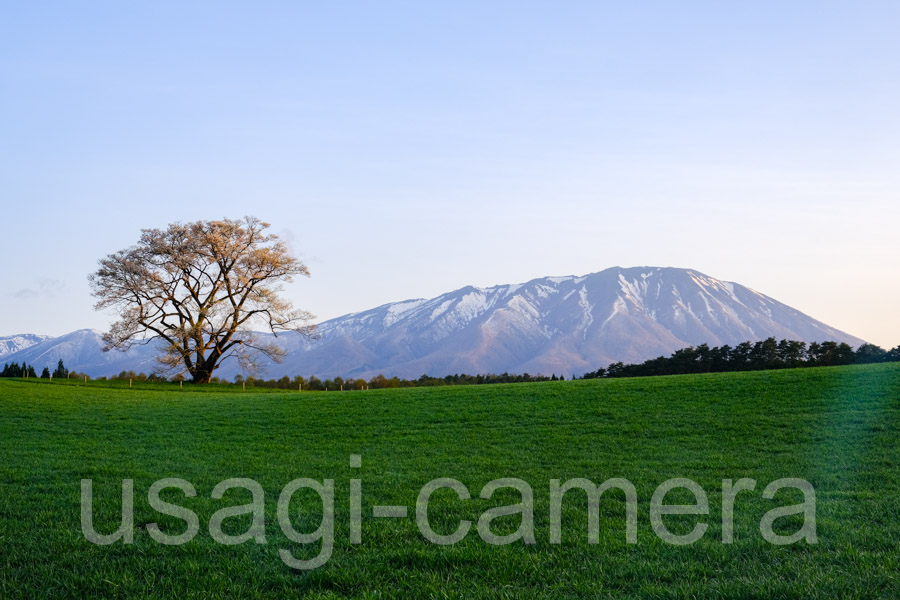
[(201, 287)]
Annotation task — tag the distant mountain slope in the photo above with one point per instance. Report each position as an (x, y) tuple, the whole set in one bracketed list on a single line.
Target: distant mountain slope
[(16, 343), (566, 325), (82, 351)]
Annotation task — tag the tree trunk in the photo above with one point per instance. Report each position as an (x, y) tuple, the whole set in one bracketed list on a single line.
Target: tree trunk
[(201, 375)]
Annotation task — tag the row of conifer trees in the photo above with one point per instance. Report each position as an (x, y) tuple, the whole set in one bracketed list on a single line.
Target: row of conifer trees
[(26, 370), (751, 356)]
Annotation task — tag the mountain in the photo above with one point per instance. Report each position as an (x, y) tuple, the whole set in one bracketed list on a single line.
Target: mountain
[(552, 325), (82, 351), (566, 325), (16, 343)]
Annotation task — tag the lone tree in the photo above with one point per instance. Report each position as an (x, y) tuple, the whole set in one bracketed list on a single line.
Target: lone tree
[(201, 288)]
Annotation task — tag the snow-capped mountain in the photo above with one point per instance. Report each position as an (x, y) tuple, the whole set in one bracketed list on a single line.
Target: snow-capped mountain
[(566, 325), (17, 343), (82, 351), (552, 325)]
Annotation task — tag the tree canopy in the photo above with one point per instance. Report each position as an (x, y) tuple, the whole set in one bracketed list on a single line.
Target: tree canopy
[(202, 288)]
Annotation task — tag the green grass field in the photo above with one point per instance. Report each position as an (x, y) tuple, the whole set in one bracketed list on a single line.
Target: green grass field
[(838, 428)]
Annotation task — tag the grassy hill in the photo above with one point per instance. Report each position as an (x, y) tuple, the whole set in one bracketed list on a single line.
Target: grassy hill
[(838, 428)]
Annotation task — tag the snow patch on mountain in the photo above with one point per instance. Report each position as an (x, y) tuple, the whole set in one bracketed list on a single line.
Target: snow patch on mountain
[(618, 307), (395, 311), (588, 317)]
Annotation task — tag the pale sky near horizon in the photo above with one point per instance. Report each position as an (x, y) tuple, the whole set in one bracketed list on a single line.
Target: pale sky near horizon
[(406, 149)]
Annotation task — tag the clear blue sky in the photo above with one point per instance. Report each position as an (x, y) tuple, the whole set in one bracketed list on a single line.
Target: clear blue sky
[(408, 149)]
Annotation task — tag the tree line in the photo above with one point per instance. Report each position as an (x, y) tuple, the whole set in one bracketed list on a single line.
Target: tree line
[(312, 383), (381, 382), (751, 356), (26, 370)]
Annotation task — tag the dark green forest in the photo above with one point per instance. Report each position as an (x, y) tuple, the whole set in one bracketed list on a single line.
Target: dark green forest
[(751, 356)]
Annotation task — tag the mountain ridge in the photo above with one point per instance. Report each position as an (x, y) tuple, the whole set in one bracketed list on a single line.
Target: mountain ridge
[(558, 324), (11, 344)]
